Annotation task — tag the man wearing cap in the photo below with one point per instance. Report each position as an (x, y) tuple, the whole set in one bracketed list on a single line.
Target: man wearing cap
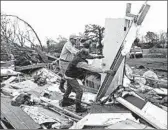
[(76, 69), (66, 56)]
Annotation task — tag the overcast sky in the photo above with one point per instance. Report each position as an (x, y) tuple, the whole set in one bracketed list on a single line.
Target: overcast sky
[(53, 18)]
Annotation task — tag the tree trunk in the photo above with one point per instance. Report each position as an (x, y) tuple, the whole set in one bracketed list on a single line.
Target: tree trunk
[(100, 44)]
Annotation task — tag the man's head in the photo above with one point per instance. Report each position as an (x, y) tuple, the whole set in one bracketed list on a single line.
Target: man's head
[(73, 38), (83, 53)]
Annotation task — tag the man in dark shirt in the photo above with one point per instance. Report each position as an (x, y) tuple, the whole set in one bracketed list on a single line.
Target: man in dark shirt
[(76, 69)]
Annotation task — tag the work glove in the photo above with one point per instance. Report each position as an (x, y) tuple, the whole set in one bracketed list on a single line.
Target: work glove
[(110, 72), (100, 57)]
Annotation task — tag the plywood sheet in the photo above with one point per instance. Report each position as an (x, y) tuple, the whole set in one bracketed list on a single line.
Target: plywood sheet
[(114, 36)]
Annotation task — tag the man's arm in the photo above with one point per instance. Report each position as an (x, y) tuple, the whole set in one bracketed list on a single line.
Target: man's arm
[(93, 56), (89, 67), (71, 48)]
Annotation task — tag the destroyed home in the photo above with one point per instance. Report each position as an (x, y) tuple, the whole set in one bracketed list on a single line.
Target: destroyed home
[(84, 81)]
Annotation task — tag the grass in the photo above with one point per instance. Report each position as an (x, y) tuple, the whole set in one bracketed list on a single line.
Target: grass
[(158, 65)]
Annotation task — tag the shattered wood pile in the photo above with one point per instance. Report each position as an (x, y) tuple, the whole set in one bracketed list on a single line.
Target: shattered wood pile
[(24, 57), (125, 100), (41, 101)]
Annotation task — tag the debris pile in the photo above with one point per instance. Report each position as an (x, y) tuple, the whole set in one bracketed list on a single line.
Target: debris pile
[(39, 94), (139, 102)]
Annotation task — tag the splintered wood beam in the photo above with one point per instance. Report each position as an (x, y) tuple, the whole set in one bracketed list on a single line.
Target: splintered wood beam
[(62, 114), (3, 125), (128, 8), (155, 123), (29, 67), (61, 108), (128, 11), (142, 13)]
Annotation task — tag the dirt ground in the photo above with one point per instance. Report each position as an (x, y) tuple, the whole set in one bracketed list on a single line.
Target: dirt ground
[(158, 65)]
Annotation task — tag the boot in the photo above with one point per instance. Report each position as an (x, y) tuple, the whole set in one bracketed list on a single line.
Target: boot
[(61, 86), (80, 108), (66, 102)]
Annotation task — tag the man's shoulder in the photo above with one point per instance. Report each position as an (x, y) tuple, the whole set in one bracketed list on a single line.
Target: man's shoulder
[(68, 42)]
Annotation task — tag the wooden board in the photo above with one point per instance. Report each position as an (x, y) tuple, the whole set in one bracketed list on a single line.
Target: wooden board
[(16, 117), (9, 80), (29, 67), (117, 108), (56, 105)]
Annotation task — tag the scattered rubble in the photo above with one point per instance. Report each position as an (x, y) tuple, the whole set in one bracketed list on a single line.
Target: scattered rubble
[(35, 89), (39, 90)]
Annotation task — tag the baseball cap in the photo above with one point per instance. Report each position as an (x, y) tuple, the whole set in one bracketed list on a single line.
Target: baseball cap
[(72, 36)]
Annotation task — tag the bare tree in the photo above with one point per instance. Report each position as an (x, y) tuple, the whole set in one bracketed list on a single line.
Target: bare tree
[(22, 40), (162, 38), (6, 34)]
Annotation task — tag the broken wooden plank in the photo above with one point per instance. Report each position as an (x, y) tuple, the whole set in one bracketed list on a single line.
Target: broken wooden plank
[(3, 125), (12, 118), (42, 55), (8, 80), (30, 67), (16, 113), (151, 120), (62, 114), (51, 57), (60, 108), (142, 13), (109, 108)]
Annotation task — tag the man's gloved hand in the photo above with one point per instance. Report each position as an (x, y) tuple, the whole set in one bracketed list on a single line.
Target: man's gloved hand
[(100, 56), (110, 72)]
